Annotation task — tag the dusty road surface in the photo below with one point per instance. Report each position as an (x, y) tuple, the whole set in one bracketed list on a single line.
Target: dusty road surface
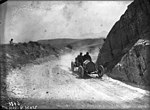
[(52, 85)]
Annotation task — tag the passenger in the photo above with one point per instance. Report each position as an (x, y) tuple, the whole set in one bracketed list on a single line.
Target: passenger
[(80, 58), (87, 56)]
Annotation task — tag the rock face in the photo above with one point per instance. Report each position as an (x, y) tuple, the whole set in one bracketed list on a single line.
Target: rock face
[(133, 25), (133, 65)]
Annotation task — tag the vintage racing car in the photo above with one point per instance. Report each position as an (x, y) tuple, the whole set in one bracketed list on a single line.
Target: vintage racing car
[(88, 67)]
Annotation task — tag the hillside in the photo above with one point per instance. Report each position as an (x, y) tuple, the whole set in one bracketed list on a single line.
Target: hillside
[(19, 54), (85, 43), (133, 25), (75, 44), (58, 43)]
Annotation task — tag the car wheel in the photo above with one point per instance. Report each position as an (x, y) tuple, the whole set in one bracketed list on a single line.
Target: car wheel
[(81, 71), (100, 71), (72, 66)]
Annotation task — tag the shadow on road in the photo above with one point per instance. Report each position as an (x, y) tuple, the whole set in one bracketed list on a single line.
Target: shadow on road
[(86, 76)]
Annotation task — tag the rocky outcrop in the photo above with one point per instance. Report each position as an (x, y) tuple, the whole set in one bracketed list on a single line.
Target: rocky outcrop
[(133, 25), (133, 66)]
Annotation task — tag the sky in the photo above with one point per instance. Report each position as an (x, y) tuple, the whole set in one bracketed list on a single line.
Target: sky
[(37, 20)]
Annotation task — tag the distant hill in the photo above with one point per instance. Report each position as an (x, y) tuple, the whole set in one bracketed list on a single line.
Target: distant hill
[(58, 42), (73, 43), (85, 43)]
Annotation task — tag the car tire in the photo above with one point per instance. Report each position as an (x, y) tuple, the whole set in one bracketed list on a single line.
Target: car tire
[(81, 71), (72, 66), (100, 71)]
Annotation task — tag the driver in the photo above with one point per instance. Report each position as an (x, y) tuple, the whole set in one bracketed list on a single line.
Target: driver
[(87, 56)]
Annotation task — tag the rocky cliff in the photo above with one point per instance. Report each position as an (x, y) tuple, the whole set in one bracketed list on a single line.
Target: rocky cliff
[(133, 25), (133, 66)]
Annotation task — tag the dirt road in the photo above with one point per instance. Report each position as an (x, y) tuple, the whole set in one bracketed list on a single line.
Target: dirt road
[(53, 85)]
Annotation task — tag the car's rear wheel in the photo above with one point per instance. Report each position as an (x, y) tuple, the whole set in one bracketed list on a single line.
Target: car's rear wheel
[(100, 71), (81, 71), (72, 66)]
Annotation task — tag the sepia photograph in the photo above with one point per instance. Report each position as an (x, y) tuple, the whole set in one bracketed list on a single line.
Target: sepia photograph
[(75, 54)]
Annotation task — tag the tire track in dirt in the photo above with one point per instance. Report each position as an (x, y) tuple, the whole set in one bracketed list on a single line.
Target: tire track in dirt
[(54, 83), (107, 89)]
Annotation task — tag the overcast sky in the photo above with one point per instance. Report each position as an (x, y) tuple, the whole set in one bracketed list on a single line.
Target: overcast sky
[(35, 20)]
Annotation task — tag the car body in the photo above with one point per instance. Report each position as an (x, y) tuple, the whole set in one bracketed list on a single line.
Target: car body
[(88, 67)]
